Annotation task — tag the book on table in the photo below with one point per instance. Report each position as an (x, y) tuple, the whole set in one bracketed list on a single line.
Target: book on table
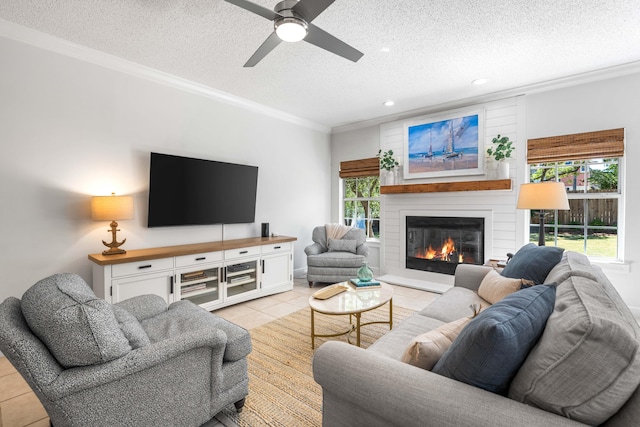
[(359, 284)]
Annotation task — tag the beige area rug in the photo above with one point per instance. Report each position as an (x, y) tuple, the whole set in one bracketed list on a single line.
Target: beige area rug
[(282, 391)]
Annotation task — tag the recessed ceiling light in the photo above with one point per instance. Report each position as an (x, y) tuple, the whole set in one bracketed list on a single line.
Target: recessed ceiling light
[(385, 49), (479, 82), (389, 103)]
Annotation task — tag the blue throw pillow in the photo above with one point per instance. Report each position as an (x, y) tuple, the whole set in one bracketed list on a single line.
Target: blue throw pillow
[(492, 347), (533, 262)]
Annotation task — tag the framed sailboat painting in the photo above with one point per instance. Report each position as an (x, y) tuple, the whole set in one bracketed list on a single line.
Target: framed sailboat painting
[(444, 145)]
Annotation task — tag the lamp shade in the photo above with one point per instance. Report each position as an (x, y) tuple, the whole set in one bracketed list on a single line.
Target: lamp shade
[(111, 208), (543, 195)]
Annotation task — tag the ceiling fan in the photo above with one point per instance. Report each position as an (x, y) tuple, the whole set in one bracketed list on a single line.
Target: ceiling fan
[(292, 23)]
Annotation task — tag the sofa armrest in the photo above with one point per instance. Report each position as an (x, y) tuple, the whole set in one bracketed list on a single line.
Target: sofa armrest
[(398, 394), (470, 276), (313, 249), (144, 306), (363, 250), (74, 380)]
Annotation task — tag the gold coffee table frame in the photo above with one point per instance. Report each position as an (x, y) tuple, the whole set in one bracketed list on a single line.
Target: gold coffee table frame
[(352, 302)]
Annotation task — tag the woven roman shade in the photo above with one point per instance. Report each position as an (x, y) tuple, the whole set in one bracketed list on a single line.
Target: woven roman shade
[(360, 168), (589, 145)]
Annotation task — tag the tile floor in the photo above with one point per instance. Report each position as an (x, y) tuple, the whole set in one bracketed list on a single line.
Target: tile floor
[(19, 406)]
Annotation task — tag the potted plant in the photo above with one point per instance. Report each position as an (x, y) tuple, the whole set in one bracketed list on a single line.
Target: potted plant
[(388, 163), (500, 152)]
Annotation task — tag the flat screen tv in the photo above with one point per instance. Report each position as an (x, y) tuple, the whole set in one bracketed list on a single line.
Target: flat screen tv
[(188, 191)]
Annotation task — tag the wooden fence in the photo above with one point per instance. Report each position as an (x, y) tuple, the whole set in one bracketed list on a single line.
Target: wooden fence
[(596, 212)]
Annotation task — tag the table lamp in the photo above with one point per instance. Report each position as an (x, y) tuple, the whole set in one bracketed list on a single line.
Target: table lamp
[(543, 195), (112, 208)]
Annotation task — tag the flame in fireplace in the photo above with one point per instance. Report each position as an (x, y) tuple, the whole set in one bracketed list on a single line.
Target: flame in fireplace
[(443, 254), (448, 248)]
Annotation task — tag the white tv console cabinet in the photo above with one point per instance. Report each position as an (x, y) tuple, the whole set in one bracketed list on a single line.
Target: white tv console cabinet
[(212, 275)]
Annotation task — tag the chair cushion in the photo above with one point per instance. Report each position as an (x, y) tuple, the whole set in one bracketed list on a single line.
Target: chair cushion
[(490, 349), (184, 316), (335, 259), (494, 287), (78, 328), (340, 245), (533, 262), (131, 328), (587, 362), (425, 350)]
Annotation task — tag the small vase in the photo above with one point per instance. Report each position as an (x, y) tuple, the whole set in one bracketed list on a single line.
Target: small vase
[(365, 274), (390, 178), (502, 170)]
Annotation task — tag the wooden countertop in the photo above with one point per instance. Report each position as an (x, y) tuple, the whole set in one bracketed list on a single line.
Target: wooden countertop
[(195, 248)]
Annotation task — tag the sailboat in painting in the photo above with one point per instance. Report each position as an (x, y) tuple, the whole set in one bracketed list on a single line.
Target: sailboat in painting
[(449, 151)]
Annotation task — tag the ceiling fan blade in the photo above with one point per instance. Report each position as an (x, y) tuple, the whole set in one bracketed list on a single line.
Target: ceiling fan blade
[(255, 8), (269, 44), (328, 42), (310, 9)]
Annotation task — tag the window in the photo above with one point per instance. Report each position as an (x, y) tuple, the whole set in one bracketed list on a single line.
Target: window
[(590, 226), (589, 166), (361, 204), (361, 194)]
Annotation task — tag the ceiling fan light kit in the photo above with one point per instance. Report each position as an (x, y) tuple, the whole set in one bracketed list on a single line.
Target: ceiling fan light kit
[(291, 29), (292, 23)]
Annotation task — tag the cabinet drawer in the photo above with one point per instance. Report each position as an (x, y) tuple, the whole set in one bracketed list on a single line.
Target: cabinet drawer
[(187, 260), (118, 270), (241, 252), (276, 247)]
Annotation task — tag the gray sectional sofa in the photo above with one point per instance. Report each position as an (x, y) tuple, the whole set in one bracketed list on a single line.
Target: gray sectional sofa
[(583, 370)]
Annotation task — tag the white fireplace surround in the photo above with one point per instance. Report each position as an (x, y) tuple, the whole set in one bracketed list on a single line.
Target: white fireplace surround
[(425, 280)]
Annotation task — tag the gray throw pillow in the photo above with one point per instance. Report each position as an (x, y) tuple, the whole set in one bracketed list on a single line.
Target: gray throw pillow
[(77, 327), (342, 245), (131, 328)]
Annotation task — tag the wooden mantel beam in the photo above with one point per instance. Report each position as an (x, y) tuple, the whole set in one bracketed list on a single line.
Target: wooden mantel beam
[(444, 187)]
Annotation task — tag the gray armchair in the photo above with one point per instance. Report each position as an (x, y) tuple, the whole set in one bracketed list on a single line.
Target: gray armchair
[(335, 260), (135, 363)]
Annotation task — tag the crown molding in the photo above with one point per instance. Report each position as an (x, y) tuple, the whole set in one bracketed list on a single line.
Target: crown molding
[(546, 86), (50, 43)]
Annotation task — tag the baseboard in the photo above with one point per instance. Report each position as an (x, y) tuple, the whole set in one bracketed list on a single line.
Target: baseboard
[(300, 273)]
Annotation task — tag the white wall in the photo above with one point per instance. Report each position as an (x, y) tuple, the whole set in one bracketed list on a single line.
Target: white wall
[(70, 129), (607, 104)]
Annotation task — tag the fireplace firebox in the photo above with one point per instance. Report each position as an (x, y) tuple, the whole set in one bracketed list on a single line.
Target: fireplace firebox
[(439, 244)]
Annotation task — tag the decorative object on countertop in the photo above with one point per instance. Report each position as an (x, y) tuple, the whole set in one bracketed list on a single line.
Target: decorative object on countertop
[(499, 153), (365, 274), (112, 208), (388, 163)]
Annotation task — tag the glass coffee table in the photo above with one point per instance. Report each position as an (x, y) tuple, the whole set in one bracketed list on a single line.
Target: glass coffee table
[(353, 302)]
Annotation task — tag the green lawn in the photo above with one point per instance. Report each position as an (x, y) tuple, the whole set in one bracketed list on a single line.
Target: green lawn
[(597, 245)]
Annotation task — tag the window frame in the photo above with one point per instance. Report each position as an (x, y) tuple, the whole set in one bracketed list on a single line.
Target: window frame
[(368, 218), (551, 228)]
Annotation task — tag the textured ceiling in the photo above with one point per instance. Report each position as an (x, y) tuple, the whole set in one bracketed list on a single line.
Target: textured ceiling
[(435, 48)]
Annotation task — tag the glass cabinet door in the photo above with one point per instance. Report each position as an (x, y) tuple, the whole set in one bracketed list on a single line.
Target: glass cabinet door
[(241, 277), (200, 286)]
